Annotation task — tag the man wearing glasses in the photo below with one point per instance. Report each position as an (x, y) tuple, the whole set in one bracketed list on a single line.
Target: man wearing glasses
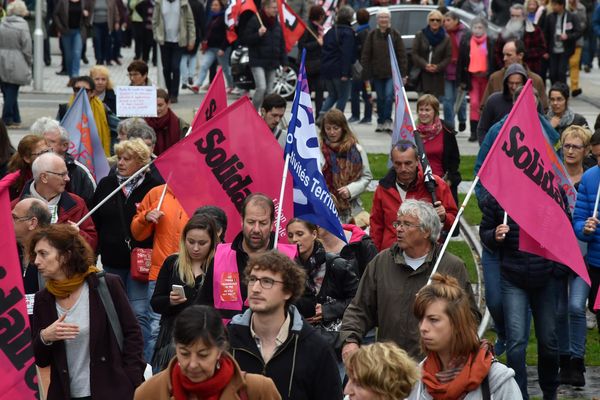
[(29, 215), (392, 279), (271, 338), (50, 178)]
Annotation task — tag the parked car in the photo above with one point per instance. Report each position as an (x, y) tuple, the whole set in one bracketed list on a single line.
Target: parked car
[(407, 19)]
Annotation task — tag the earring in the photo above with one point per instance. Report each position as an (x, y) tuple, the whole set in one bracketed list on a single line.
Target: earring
[(218, 365)]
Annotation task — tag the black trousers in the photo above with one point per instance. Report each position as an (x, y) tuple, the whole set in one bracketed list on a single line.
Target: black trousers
[(170, 54)]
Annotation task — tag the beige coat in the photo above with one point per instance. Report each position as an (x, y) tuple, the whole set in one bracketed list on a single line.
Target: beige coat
[(187, 26), (257, 387)]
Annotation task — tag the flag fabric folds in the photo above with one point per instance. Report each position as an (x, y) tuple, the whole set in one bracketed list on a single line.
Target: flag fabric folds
[(312, 200), (85, 145), (519, 172), (214, 102), (17, 366), (234, 9), (403, 125), (224, 160), (291, 24)]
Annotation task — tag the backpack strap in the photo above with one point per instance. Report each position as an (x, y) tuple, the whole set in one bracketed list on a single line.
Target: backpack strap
[(109, 307), (485, 388)]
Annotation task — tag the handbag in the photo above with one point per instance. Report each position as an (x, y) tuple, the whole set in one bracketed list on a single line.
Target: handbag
[(109, 307), (357, 70), (140, 258)]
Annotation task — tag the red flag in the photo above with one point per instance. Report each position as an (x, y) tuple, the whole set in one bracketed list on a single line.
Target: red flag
[(17, 367), (292, 25), (235, 8), (518, 172), (225, 159), (214, 102)]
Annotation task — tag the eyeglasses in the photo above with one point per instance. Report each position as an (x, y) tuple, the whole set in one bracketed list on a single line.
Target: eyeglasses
[(61, 174), (265, 283), (568, 147), (435, 20), (77, 89), (41, 152), (132, 74), (404, 225), (20, 219)]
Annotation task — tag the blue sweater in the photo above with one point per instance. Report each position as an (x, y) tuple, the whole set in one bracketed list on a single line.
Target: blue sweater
[(584, 207)]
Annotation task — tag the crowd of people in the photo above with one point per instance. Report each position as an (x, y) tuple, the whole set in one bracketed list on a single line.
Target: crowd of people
[(317, 317)]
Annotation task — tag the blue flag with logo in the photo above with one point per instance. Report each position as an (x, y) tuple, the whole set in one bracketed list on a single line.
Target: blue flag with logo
[(84, 143), (312, 200)]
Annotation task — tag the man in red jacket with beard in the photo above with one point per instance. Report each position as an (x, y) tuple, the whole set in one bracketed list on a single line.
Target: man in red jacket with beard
[(405, 181)]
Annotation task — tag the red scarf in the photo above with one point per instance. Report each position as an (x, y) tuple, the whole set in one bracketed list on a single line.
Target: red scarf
[(465, 380), (167, 131), (431, 131), (209, 389), (454, 42)]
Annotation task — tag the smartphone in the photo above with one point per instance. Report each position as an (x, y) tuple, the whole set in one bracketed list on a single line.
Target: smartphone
[(179, 290)]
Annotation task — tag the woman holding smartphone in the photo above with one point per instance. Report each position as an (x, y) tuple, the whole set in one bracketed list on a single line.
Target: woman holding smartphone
[(180, 280)]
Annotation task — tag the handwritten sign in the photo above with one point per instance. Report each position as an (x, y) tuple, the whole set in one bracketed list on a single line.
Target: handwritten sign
[(136, 101)]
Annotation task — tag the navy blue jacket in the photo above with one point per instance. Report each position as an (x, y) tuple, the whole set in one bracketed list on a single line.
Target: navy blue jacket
[(339, 52)]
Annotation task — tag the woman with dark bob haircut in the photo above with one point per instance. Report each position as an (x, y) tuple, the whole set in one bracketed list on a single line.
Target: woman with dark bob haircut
[(71, 329), (458, 364), (202, 368)]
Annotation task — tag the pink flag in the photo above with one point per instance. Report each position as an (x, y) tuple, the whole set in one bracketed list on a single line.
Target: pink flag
[(214, 102), (224, 160), (518, 173), (17, 368)]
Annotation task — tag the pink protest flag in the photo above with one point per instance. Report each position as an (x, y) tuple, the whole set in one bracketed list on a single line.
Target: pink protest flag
[(224, 160), (518, 172), (17, 368), (214, 102)]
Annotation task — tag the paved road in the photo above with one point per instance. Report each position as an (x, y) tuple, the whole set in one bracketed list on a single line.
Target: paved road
[(35, 104)]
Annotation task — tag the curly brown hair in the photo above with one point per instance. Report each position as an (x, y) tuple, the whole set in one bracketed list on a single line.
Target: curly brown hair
[(294, 277), (76, 252)]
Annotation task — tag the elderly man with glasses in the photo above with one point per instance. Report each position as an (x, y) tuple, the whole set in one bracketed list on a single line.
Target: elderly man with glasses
[(50, 178), (388, 287)]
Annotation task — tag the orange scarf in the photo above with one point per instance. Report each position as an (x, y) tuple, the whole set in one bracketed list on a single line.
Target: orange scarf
[(63, 289), (468, 379), (478, 55)]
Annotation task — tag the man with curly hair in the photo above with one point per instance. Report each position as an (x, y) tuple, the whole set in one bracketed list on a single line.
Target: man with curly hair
[(271, 338)]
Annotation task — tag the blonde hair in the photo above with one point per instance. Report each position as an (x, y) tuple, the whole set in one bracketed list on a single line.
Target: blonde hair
[(138, 149), (577, 132), (435, 13), (184, 261), (102, 70), (383, 368), (17, 7)]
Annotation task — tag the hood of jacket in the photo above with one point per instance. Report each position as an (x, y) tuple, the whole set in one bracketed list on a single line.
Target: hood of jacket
[(356, 233), (245, 319), (511, 70)]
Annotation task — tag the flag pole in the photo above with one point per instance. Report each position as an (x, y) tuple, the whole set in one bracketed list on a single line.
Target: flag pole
[(281, 193), (259, 18), (595, 214), (93, 210), (454, 224), (312, 32)]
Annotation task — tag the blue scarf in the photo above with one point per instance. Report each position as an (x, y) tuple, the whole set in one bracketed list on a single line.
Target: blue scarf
[(361, 28), (434, 38)]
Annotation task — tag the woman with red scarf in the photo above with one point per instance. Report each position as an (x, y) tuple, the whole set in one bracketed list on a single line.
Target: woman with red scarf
[(474, 66), (169, 128), (202, 368), (346, 166), (458, 365), (439, 141)]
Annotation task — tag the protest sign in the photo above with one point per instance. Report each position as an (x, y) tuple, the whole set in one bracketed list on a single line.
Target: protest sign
[(136, 101)]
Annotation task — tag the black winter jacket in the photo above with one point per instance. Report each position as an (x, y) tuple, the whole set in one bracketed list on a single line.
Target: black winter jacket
[(338, 287), (573, 32), (80, 182), (313, 50), (303, 368), (109, 224), (522, 269), (266, 51)]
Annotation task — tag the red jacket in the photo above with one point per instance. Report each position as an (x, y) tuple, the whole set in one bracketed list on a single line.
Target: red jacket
[(70, 208), (386, 203)]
